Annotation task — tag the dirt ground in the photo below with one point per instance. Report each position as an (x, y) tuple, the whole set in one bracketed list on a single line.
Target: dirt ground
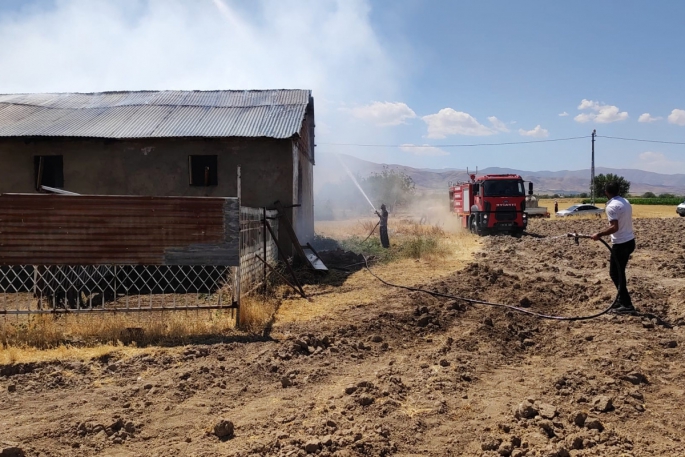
[(402, 374)]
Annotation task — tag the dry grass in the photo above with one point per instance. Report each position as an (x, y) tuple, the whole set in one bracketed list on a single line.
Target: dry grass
[(639, 211), (402, 224), (366, 225), (13, 354), (654, 211), (342, 229), (257, 312), (41, 338), (360, 288), (412, 228), (142, 329), (423, 247), (407, 237)]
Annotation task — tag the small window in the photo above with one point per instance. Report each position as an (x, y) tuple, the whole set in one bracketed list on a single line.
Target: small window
[(48, 171), (202, 170)]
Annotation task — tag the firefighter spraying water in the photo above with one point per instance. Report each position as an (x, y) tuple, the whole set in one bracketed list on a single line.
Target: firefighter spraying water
[(383, 214)]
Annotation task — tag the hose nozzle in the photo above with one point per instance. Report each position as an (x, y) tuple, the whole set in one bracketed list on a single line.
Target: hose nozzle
[(576, 236)]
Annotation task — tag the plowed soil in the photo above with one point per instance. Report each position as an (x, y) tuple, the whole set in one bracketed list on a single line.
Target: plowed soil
[(411, 375)]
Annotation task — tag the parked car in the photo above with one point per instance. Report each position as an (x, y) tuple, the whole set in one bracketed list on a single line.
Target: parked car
[(580, 210), (680, 209)]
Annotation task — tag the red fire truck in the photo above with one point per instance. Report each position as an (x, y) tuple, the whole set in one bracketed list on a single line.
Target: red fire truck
[(491, 203)]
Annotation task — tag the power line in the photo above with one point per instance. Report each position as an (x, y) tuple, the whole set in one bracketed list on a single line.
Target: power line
[(640, 140), (451, 145), (509, 143)]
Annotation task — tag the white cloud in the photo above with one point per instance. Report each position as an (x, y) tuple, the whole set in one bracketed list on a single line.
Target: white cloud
[(537, 132), (677, 117), (583, 118), (659, 163), (450, 122), (600, 113), (564, 114), (588, 104), (646, 117), (423, 150), (384, 113), (498, 125)]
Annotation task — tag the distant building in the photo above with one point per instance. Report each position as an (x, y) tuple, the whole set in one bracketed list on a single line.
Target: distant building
[(168, 143)]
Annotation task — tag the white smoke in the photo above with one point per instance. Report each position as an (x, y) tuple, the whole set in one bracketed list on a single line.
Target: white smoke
[(328, 46)]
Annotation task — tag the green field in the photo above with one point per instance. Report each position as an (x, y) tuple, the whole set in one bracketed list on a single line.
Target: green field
[(675, 201)]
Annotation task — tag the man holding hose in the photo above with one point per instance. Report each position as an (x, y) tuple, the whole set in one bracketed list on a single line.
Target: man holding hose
[(385, 241), (620, 215)]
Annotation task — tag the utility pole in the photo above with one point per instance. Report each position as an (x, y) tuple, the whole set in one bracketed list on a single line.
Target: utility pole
[(592, 169)]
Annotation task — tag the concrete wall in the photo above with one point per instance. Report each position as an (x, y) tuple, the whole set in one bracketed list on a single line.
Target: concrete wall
[(160, 167), (303, 190), (154, 166)]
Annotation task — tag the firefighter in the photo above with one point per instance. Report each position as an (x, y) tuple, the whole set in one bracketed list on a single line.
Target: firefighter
[(385, 241)]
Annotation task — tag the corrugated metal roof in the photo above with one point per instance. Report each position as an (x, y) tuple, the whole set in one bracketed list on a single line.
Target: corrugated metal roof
[(146, 114)]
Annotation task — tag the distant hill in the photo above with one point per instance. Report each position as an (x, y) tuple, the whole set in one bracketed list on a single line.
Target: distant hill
[(329, 170)]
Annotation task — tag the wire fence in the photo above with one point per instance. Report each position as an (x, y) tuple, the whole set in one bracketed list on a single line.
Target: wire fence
[(48, 289), (255, 240)]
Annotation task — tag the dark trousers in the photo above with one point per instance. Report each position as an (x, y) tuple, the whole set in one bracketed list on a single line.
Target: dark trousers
[(385, 241), (621, 253)]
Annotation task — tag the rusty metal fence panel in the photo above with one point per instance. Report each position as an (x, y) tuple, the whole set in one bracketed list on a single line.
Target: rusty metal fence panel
[(39, 229)]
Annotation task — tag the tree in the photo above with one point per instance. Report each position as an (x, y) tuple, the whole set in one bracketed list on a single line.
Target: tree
[(667, 196), (390, 187), (602, 180), (648, 195), (583, 195)]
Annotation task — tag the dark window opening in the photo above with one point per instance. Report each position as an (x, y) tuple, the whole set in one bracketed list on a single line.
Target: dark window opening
[(48, 171), (203, 170)]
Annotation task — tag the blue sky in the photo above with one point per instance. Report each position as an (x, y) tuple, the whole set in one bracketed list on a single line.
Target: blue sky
[(401, 72)]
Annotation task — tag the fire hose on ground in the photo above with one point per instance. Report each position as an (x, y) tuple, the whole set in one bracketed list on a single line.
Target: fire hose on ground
[(473, 301)]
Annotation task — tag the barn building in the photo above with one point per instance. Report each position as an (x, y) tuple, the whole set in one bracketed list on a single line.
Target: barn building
[(167, 143)]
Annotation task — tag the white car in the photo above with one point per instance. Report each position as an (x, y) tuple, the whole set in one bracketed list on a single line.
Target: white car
[(680, 209), (580, 210)]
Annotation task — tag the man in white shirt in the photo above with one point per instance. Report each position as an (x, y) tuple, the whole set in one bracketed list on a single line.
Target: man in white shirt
[(620, 215)]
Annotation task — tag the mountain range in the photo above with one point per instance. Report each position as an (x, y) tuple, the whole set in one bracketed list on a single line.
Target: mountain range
[(328, 169)]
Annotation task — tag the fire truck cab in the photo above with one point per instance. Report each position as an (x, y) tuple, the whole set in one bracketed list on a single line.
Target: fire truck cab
[(491, 203)]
